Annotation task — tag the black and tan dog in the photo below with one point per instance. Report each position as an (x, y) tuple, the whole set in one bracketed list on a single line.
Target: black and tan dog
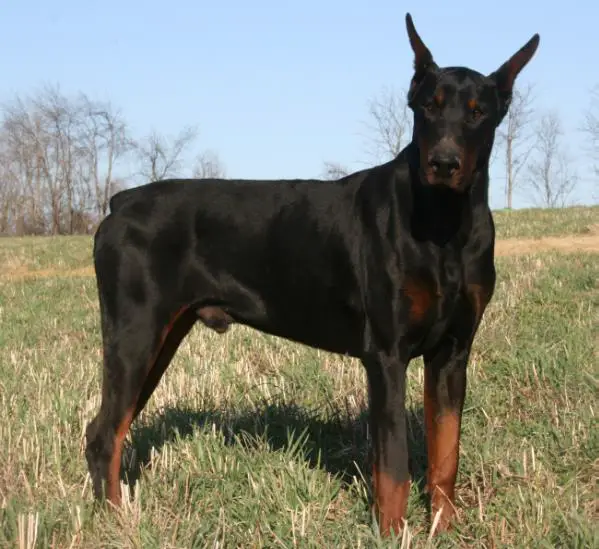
[(386, 264)]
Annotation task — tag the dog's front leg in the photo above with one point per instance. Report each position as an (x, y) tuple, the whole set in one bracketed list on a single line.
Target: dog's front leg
[(390, 476), (444, 393)]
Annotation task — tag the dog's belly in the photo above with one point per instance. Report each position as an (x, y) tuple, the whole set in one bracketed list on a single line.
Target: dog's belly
[(321, 321), (321, 324), (329, 328)]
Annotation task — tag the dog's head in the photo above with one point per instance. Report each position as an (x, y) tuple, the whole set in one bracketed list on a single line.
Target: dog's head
[(457, 111)]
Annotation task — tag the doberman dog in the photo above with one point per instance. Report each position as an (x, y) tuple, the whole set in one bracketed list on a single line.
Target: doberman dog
[(386, 264)]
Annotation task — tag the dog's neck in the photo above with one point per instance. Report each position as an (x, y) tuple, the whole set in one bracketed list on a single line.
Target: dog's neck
[(440, 214)]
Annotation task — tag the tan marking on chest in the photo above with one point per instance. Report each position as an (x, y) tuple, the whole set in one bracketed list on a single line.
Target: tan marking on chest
[(421, 299)]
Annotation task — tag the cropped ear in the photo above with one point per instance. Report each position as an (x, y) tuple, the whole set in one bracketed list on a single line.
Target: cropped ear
[(505, 76), (423, 59)]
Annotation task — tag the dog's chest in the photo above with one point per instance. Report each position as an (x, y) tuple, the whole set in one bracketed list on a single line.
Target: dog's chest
[(431, 299)]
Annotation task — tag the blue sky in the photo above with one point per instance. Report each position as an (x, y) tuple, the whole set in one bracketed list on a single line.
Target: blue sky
[(275, 88)]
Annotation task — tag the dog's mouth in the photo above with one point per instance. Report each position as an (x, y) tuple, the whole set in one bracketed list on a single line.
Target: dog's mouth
[(456, 182)]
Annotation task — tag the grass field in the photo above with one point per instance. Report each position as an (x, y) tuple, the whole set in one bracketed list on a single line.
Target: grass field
[(536, 223), (252, 441)]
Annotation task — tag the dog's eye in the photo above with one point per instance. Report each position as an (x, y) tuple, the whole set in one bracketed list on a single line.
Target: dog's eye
[(476, 113), (429, 106)]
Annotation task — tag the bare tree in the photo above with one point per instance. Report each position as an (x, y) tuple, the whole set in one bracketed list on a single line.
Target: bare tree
[(42, 135), (37, 133), (58, 156), (551, 178), (389, 124), (160, 157), (515, 136), (61, 160), (16, 174), (59, 135), (209, 166), (388, 130), (334, 170), (11, 196), (591, 126), (104, 140)]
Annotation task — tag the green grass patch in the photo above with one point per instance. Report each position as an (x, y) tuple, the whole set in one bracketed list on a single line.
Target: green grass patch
[(539, 222), (44, 252)]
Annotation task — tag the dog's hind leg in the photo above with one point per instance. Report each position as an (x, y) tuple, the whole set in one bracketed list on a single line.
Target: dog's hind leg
[(136, 354), (122, 378), (172, 336)]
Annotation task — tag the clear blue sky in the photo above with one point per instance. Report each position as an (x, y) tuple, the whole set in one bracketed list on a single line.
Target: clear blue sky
[(276, 88)]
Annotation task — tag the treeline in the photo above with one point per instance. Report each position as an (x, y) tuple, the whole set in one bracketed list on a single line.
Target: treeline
[(62, 157)]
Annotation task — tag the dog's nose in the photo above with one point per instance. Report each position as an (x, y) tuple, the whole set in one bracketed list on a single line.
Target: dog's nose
[(444, 165)]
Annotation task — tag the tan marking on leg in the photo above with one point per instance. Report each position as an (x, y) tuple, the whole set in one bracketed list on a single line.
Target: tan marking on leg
[(430, 420), (113, 489), (391, 502), (443, 467)]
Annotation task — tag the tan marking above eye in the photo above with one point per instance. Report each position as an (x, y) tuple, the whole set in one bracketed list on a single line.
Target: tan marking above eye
[(475, 111), (439, 98)]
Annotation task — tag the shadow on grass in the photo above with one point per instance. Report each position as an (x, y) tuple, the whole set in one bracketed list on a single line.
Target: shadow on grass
[(337, 444)]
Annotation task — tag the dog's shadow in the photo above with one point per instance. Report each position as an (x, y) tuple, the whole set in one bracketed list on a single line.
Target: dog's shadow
[(338, 444)]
